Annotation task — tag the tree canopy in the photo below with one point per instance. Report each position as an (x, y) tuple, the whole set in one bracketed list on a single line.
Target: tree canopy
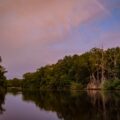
[(2, 76), (89, 70)]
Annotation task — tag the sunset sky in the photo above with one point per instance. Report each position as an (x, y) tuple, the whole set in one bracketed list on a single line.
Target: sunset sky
[(34, 33)]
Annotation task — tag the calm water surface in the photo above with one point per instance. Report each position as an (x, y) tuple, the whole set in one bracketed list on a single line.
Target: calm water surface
[(89, 105)]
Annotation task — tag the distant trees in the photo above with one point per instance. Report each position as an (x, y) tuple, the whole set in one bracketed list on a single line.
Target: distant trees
[(15, 82)]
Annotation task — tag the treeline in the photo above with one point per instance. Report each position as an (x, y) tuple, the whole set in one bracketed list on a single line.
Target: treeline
[(92, 70)]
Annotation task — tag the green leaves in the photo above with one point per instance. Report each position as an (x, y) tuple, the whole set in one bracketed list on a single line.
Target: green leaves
[(78, 70), (111, 84)]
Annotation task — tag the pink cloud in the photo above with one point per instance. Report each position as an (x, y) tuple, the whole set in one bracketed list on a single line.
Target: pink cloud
[(29, 27), (38, 20)]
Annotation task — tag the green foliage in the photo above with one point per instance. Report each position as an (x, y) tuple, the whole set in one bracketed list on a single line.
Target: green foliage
[(88, 69), (14, 83), (76, 86), (111, 84), (31, 81)]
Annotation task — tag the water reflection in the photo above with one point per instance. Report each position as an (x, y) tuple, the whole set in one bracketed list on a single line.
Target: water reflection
[(107, 104), (92, 105), (68, 106), (2, 99), (82, 105)]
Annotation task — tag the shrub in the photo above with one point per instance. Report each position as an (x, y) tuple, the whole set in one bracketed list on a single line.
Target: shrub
[(76, 86), (111, 84)]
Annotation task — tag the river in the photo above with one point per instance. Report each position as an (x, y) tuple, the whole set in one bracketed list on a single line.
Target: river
[(44, 105)]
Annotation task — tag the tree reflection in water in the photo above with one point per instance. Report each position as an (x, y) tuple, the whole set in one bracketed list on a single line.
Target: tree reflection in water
[(106, 104), (92, 105), (82, 105), (2, 101)]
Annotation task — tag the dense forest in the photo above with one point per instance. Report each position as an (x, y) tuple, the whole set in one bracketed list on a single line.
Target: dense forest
[(95, 69)]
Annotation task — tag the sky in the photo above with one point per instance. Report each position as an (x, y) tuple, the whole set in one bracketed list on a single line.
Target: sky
[(34, 33)]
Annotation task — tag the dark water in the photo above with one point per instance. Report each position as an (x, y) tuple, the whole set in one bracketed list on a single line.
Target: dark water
[(89, 105)]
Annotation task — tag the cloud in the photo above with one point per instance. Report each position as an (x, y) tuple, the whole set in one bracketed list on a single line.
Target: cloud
[(29, 27), (43, 20)]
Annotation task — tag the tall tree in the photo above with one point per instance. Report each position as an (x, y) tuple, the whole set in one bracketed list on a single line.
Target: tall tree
[(2, 76)]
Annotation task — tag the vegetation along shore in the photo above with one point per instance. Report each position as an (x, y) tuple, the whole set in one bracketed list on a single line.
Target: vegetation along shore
[(96, 69)]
